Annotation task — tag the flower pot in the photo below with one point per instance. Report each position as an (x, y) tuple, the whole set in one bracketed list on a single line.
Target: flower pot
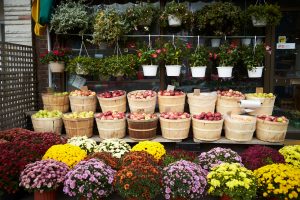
[(246, 41), (57, 67), (259, 22), (255, 72), (215, 42), (46, 195), (173, 70), (174, 21), (150, 70), (198, 72), (225, 72)]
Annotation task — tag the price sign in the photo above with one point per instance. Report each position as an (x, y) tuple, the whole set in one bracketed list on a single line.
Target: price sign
[(197, 92), (286, 46), (170, 88), (77, 81)]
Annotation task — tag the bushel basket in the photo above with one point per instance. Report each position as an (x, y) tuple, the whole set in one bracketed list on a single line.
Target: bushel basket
[(111, 128), (52, 102), (142, 129), (79, 126)]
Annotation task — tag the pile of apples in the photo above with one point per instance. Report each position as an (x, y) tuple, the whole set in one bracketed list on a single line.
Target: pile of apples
[(147, 94), (262, 95), (230, 93), (82, 93), (47, 114), (175, 115), (78, 115), (171, 93), (270, 118), (59, 94), (209, 116), (141, 116), (111, 94), (109, 115)]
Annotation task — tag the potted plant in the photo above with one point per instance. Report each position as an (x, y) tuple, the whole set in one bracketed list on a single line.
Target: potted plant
[(43, 177), (227, 56), (70, 17), (89, 145), (138, 158), (278, 181), (90, 179), (218, 19), (156, 149), (178, 154), (232, 181), (216, 156), (55, 59), (173, 55), (183, 180), (258, 156), (149, 58), (82, 65), (116, 147), (253, 58), (108, 27), (198, 61), (69, 154), (138, 181), (264, 14), (290, 154), (107, 158), (140, 16), (175, 14)]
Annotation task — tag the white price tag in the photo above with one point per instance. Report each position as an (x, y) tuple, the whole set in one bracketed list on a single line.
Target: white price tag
[(77, 81), (170, 88)]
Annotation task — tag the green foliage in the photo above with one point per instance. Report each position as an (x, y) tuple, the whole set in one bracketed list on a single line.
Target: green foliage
[(270, 12), (228, 55), (140, 16), (253, 56), (219, 18), (70, 17), (173, 54), (58, 55), (180, 10), (108, 27), (200, 57), (86, 65)]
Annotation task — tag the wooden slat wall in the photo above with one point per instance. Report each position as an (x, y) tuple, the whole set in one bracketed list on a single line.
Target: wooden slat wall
[(17, 84)]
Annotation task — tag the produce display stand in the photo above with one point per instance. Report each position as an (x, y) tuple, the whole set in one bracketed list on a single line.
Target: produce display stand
[(158, 138)]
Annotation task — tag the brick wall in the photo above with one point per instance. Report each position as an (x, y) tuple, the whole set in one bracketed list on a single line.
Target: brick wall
[(17, 19)]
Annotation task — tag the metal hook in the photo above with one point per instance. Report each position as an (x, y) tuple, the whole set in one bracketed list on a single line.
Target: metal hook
[(198, 43), (149, 41)]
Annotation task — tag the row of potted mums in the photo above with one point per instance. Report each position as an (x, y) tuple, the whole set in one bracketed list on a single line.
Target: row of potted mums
[(90, 171)]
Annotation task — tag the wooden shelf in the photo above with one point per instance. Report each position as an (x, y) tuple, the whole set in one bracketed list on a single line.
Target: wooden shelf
[(223, 140)]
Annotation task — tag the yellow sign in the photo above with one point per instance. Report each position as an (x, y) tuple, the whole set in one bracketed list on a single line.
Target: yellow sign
[(282, 39)]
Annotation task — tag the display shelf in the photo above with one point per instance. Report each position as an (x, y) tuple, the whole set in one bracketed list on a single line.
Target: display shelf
[(223, 140)]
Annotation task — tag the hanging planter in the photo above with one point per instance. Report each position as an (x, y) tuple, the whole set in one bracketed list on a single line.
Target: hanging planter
[(174, 21), (256, 72), (264, 14), (246, 41), (150, 70), (173, 70), (225, 71), (198, 72), (215, 42), (258, 22), (57, 67)]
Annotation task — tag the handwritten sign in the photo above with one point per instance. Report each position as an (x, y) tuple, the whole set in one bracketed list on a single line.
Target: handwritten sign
[(170, 88), (77, 81)]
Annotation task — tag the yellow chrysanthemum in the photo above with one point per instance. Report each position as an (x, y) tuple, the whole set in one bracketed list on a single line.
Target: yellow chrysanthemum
[(154, 148), (66, 153), (291, 154)]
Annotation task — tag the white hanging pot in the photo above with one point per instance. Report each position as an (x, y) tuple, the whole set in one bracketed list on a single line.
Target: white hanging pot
[(173, 70), (174, 21), (258, 22), (256, 72), (215, 42), (198, 72), (246, 41), (57, 67), (150, 70), (225, 71)]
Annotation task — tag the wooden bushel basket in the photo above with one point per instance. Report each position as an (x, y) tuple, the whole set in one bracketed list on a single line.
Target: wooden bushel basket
[(266, 108), (52, 102), (111, 128), (147, 105), (53, 125), (207, 130), (175, 129), (83, 103), (113, 104), (142, 129), (79, 126), (271, 131), (205, 102), (171, 103), (239, 130), (229, 104)]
